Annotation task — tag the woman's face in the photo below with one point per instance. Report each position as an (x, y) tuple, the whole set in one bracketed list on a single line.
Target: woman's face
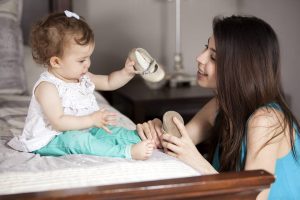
[(206, 75)]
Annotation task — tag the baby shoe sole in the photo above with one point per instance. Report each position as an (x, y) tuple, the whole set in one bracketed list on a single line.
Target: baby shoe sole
[(169, 125)]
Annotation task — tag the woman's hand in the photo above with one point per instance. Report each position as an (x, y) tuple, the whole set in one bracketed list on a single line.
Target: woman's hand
[(151, 130), (182, 148), (102, 118), (185, 150)]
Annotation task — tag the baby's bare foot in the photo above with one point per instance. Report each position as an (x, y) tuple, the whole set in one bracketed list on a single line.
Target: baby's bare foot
[(142, 150)]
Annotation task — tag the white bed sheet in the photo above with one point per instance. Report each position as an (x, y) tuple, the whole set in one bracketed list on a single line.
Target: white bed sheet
[(22, 172), (94, 171)]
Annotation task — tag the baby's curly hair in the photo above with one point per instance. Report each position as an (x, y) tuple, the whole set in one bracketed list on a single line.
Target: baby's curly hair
[(49, 36)]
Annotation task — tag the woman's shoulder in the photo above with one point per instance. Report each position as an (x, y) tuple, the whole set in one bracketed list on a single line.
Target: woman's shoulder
[(265, 123), (268, 114)]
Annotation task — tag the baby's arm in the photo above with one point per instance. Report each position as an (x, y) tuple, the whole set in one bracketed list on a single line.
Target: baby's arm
[(47, 96), (116, 79)]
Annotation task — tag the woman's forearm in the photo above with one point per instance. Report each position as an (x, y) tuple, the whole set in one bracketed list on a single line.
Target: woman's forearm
[(203, 166)]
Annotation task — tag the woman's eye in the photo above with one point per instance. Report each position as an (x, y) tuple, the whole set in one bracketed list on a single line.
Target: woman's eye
[(211, 56), (205, 48)]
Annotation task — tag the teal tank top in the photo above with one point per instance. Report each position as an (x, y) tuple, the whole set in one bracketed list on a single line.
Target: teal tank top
[(287, 170)]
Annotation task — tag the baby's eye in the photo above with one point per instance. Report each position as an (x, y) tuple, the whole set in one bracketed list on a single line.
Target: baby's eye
[(81, 61)]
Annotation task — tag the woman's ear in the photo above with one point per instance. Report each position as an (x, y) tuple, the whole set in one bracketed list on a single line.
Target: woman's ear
[(55, 62)]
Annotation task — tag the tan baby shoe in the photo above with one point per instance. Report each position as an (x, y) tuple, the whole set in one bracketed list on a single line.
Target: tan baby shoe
[(169, 125), (146, 65)]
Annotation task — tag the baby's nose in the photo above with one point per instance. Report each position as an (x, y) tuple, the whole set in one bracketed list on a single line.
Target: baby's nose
[(86, 66)]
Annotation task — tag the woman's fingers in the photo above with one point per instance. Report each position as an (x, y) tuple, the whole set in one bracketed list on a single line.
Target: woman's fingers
[(147, 131), (140, 130), (170, 147), (144, 131), (157, 124), (150, 130), (180, 127), (154, 133), (170, 139), (170, 153), (159, 134)]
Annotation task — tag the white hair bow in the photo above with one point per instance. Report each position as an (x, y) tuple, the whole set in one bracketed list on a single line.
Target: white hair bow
[(71, 14)]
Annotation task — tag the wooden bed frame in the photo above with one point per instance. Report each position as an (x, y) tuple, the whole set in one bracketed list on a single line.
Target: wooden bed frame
[(231, 185)]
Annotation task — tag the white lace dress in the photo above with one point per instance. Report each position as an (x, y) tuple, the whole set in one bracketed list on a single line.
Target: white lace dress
[(77, 99)]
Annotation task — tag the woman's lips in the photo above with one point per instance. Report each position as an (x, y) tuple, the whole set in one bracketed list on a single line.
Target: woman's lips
[(201, 73)]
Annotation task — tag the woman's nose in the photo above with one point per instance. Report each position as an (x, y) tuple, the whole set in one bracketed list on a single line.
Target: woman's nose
[(203, 57)]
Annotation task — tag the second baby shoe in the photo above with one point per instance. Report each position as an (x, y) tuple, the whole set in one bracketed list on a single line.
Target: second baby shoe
[(144, 63), (169, 125)]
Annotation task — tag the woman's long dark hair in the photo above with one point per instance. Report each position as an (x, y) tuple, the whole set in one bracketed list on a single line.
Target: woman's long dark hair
[(248, 77)]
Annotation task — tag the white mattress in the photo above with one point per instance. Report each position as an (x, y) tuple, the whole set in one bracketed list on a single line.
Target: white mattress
[(107, 171), (22, 172)]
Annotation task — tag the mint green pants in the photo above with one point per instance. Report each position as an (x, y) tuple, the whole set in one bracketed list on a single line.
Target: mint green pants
[(94, 141)]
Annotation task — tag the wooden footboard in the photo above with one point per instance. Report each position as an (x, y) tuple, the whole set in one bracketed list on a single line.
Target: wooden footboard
[(232, 185)]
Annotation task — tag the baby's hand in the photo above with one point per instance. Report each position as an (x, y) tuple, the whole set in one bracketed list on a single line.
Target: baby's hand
[(102, 118), (129, 67)]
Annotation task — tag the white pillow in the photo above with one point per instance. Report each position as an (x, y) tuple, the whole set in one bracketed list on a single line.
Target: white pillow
[(11, 9), (12, 77)]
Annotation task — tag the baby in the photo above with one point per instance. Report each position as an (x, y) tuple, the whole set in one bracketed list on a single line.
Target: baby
[(63, 116)]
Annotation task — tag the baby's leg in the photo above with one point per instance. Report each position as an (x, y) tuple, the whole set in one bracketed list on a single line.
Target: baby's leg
[(126, 143), (142, 150)]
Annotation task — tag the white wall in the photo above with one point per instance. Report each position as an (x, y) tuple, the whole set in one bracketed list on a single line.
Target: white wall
[(120, 25)]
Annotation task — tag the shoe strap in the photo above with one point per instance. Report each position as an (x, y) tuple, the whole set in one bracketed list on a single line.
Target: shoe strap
[(152, 68)]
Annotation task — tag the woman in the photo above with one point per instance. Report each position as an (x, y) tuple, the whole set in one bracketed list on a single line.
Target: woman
[(248, 122)]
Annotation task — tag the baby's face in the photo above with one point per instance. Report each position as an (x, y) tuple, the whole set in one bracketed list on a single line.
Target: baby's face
[(75, 61)]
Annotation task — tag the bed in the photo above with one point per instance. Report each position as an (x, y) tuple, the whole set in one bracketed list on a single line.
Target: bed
[(30, 176)]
